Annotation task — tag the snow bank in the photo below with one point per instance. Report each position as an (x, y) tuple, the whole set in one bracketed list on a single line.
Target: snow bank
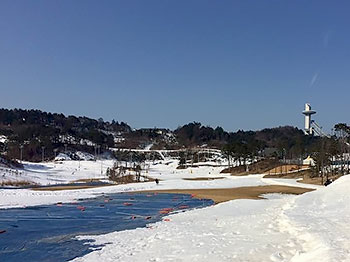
[(310, 227), (62, 157), (84, 156), (239, 230), (3, 139), (325, 216)]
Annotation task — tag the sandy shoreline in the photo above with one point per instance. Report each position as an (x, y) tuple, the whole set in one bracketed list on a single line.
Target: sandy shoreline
[(220, 195)]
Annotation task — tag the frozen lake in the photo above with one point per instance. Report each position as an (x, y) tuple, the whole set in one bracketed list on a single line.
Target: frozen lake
[(47, 232)]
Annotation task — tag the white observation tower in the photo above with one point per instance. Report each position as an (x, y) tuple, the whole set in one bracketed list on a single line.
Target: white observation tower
[(308, 112)]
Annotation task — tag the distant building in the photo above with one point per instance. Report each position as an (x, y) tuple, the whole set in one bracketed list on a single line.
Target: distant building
[(309, 161)]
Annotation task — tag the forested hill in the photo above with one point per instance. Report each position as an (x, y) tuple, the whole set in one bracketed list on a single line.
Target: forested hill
[(34, 129), (288, 138), (36, 132)]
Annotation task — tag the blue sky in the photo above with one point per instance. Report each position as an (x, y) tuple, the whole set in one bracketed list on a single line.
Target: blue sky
[(236, 64)]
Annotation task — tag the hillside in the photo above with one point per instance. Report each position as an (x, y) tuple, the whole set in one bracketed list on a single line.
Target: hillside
[(37, 131), (44, 135), (287, 139)]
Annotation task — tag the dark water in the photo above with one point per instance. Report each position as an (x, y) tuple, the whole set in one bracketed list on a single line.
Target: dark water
[(46, 233)]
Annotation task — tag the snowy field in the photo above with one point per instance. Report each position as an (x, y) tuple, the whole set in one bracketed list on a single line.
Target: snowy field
[(70, 171), (310, 227), (57, 172)]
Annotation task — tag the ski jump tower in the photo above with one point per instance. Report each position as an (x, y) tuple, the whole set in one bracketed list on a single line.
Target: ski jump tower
[(311, 127), (308, 113)]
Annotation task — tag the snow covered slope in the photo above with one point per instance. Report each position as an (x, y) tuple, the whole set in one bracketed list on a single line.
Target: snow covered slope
[(309, 227), (57, 172)]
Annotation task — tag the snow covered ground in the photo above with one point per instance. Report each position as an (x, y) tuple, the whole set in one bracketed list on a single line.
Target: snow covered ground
[(309, 227), (57, 172), (69, 171)]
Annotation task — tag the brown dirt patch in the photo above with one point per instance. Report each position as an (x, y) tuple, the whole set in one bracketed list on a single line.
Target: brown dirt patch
[(317, 180), (294, 175), (306, 177), (259, 167), (87, 180), (285, 169), (203, 178), (17, 183), (124, 180), (226, 194), (71, 187)]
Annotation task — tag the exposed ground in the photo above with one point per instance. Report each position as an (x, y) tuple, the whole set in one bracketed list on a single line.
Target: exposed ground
[(305, 176), (226, 194), (87, 180), (259, 167), (293, 175), (16, 183), (317, 180), (203, 178), (70, 187), (285, 169)]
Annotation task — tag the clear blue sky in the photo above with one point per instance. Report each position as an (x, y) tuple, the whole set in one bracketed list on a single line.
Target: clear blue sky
[(237, 64)]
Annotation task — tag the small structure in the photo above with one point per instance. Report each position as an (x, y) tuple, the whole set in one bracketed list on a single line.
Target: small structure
[(309, 161)]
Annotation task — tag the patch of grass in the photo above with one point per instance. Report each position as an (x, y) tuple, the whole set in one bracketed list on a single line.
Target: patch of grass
[(203, 178), (17, 183), (87, 180), (127, 179), (59, 188)]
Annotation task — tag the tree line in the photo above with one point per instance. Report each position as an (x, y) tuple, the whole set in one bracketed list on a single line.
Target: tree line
[(33, 133)]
